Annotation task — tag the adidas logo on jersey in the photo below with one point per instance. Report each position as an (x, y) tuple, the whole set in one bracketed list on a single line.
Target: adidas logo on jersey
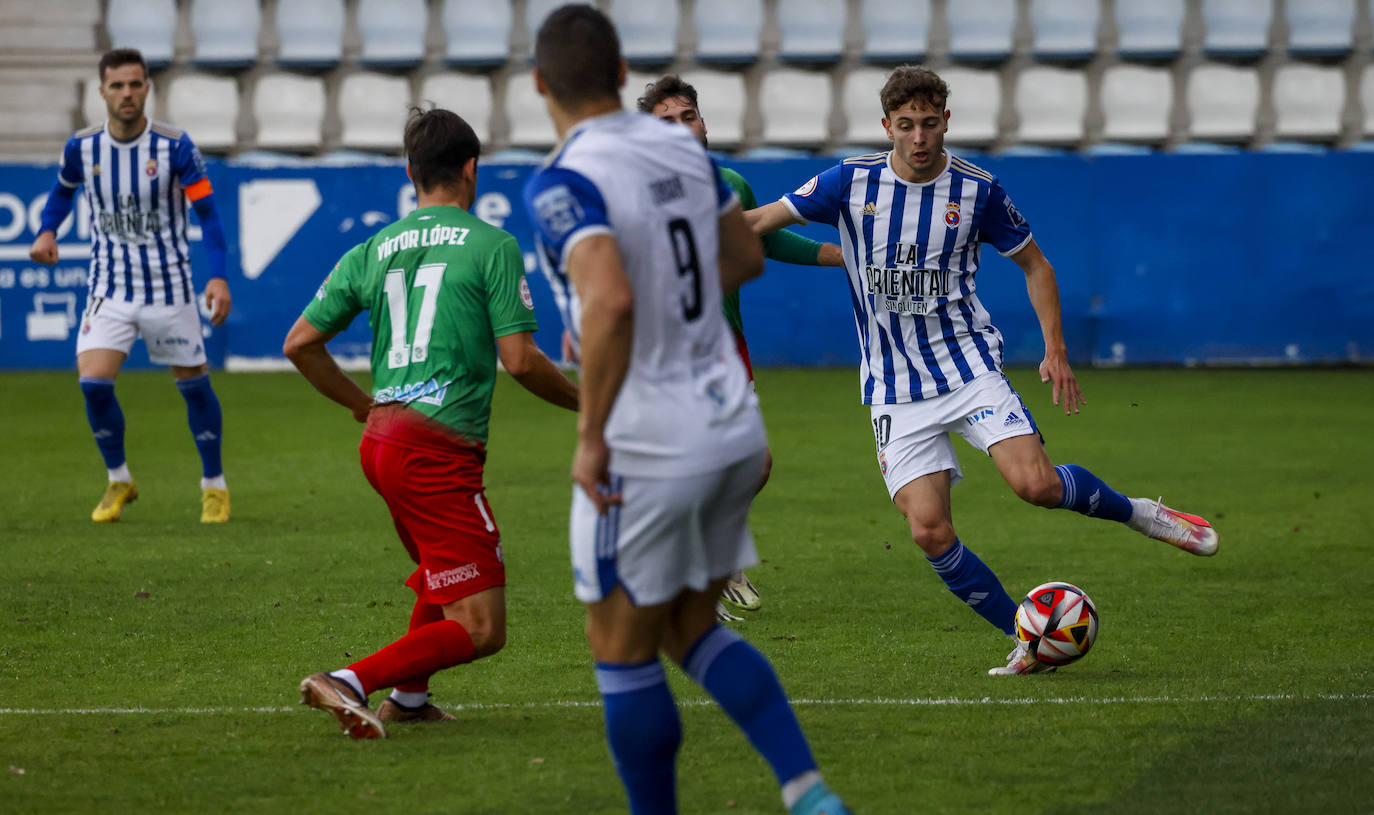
[(870, 209), (1013, 420)]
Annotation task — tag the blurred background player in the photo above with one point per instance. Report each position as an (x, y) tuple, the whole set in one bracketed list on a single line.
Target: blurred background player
[(673, 100), (911, 220), (445, 295), (135, 172), (644, 236)]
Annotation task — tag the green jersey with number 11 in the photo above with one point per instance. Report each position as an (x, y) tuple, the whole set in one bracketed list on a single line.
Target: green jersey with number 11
[(439, 287)]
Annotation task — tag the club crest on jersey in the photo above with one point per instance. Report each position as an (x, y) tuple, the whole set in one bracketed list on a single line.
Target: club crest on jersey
[(870, 210), (952, 214), (807, 188), (150, 169)]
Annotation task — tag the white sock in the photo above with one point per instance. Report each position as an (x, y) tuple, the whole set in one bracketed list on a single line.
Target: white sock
[(351, 678), (409, 698), (214, 483), (121, 473), (793, 790)]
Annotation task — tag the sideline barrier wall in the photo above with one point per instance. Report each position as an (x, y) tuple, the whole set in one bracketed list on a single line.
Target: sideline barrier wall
[(1161, 259)]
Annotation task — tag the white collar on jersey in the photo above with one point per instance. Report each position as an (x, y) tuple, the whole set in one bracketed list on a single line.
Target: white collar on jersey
[(948, 158), (147, 125)]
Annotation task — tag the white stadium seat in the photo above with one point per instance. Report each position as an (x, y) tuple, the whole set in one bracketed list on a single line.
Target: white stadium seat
[(728, 30), (93, 110), (1320, 27), (148, 25), (311, 31), (289, 110), (863, 113), (1149, 30), (811, 31), (896, 30), (647, 28), (468, 95), (1136, 103), (226, 31), (797, 107), (373, 109), (207, 107), (981, 29), (528, 116), (720, 95), (1050, 103), (477, 32), (1223, 101), (1308, 101), (40, 110), (393, 31), (1065, 29), (975, 100), (1236, 27), (1367, 98)]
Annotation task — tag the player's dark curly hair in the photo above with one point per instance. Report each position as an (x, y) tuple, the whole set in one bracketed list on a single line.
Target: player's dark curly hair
[(577, 54), (670, 86), (118, 57), (438, 144), (912, 83)]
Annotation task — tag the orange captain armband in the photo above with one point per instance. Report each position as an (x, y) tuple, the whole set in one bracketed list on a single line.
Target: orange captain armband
[(198, 190)]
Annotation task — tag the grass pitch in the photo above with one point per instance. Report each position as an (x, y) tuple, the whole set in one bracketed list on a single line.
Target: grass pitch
[(151, 665)]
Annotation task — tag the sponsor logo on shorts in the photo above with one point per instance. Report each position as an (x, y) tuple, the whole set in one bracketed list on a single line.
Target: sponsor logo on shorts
[(979, 416), (1013, 420), (882, 462), (171, 341), (451, 577)]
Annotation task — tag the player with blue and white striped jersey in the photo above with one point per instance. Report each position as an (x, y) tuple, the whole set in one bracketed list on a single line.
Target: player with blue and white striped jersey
[(139, 176), (644, 237), (912, 221)]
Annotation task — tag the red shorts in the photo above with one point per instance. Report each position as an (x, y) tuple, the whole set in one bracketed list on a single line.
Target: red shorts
[(432, 484)]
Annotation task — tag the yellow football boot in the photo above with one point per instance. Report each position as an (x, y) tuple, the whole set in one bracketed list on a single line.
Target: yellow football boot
[(214, 505), (111, 505)]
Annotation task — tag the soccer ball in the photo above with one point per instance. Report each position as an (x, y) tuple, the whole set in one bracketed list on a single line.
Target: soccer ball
[(1057, 622)]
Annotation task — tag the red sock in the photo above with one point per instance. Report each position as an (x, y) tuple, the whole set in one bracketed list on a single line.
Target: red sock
[(421, 615), (422, 652)]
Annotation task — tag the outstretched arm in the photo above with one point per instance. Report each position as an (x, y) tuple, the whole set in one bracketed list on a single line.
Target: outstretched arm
[(1044, 297), (305, 347), (771, 218), (532, 369)]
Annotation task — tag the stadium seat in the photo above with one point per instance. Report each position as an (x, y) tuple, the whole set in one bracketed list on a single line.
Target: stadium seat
[(1136, 102), (528, 116), (226, 32), (863, 112), (981, 29), (93, 110), (54, 26), (1050, 103), (1308, 101), (40, 111), (477, 32), (1223, 101), (148, 25), (896, 30), (393, 32), (1152, 30), (797, 110), (289, 110), (975, 99), (1065, 29), (373, 109), (1320, 27), (721, 97), (1236, 28), (207, 107), (310, 31), (728, 30), (648, 30), (468, 95), (811, 32), (1367, 98)]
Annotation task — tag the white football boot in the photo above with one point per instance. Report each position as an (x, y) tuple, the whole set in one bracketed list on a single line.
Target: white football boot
[(1021, 661), (1188, 532)]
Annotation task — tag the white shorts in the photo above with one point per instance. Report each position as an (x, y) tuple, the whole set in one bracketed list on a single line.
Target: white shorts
[(669, 534), (172, 333), (913, 438)]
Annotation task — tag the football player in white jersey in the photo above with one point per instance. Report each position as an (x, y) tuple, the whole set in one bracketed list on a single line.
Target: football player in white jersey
[(138, 176), (644, 237), (911, 220)]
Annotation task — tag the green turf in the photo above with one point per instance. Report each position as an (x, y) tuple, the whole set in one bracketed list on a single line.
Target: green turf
[(1237, 684)]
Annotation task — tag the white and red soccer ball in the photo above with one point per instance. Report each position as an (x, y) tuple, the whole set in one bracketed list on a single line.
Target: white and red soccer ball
[(1057, 622)]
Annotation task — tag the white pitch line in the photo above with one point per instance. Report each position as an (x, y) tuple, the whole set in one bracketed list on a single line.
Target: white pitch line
[(879, 702)]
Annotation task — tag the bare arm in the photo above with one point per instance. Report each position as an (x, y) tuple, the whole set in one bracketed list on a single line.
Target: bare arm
[(607, 333), (741, 254), (771, 218), (524, 361), (305, 347), (1044, 297), (830, 255)]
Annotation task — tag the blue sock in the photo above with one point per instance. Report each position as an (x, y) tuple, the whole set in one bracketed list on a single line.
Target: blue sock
[(106, 418), (742, 682), (644, 732), (203, 414), (1087, 494), (973, 582)]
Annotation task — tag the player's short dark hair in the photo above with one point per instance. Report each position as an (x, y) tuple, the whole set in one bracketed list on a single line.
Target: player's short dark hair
[(438, 143), (670, 86), (577, 54), (121, 56), (913, 83)]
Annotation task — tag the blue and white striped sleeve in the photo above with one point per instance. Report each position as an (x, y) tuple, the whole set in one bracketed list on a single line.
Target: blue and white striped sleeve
[(1003, 225), (818, 199), (565, 206)]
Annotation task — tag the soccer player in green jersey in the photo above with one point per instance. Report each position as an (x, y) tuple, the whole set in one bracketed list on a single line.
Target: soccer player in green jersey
[(445, 295), (674, 100)]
